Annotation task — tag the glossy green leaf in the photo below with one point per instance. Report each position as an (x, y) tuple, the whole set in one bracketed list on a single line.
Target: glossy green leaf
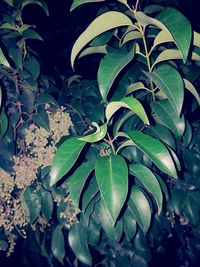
[(33, 201), (77, 181), (98, 135), (58, 244), (167, 116), (180, 31), (112, 178), (129, 222), (110, 66), (114, 233), (140, 207), (46, 204), (3, 123), (155, 150), (77, 3), (150, 182), (64, 158), (168, 80), (103, 23), (3, 59), (78, 242), (130, 103), (190, 87)]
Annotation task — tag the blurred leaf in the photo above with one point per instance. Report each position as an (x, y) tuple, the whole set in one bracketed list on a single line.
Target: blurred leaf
[(64, 158), (78, 238), (112, 178), (33, 66), (3, 59), (110, 66), (94, 233), (77, 181), (130, 103), (155, 150), (103, 23), (46, 99), (58, 244), (149, 181)]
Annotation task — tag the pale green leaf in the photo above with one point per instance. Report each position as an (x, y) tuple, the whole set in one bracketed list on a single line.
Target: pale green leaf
[(150, 182), (130, 36), (3, 59), (168, 80), (190, 87), (130, 103), (110, 66), (136, 86), (93, 50), (64, 158), (112, 178), (155, 150), (103, 23)]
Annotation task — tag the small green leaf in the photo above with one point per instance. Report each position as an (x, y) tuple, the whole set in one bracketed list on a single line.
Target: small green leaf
[(78, 238), (150, 182), (167, 116), (112, 178), (168, 80), (130, 36), (97, 136), (64, 158), (140, 207), (111, 65), (155, 150), (33, 201), (3, 123), (130, 103), (3, 59), (103, 23), (77, 181), (190, 87), (42, 119), (46, 204), (136, 86), (77, 3), (58, 244)]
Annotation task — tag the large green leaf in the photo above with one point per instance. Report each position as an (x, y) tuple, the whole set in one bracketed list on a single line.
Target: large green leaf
[(140, 207), (3, 59), (179, 30), (168, 80), (130, 103), (77, 3), (103, 23), (58, 244), (150, 182), (112, 178), (111, 65), (167, 116), (98, 135), (64, 158), (77, 181), (155, 150), (78, 242)]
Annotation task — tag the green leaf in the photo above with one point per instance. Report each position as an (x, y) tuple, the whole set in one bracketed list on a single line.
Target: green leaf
[(111, 65), (77, 3), (33, 201), (33, 66), (112, 178), (150, 182), (140, 207), (114, 233), (130, 103), (94, 233), (3, 124), (130, 36), (40, 3), (180, 29), (97, 136), (167, 116), (129, 222), (46, 99), (155, 150), (136, 86), (3, 59), (58, 244), (46, 204), (190, 87), (78, 242), (77, 181), (168, 80), (42, 119), (103, 23), (93, 50), (64, 158)]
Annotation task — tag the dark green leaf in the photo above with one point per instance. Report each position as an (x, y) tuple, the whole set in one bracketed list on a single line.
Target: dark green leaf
[(58, 244), (129, 222), (33, 201), (46, 204), (3, 124)]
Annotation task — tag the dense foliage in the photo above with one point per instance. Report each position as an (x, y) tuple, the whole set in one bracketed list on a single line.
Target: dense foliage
[(102, 172)]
